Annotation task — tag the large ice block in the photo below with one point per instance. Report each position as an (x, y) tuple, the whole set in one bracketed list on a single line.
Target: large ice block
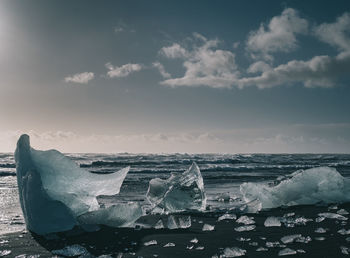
[(54, 191), (179, 192)]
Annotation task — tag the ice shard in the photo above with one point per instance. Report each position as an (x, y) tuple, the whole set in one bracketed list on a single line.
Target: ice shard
[(54, 191), (179, 192)]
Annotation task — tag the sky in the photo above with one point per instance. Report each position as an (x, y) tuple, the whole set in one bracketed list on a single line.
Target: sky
[(176, 76)]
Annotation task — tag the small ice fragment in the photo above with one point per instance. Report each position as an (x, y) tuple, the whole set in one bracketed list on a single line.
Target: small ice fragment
[(172, 224), (320, 219), (343, 212), (234, 252), (320, 238), (272, 244), (227, 217), (207, 227), (291, 214), (262, 238), (343, 231), (245, 220), (344, 250), (262, 249), (301, 251), (3, 241), (253, 243), (194, 240), (287, 251), (303, 239), (159, 224), (290, 238), (5, 252), (215, 256), (242, 239), (320, 230), (169, 245), (347, 239), (200, 248), (151, 242), (245, 228), (189, 247), (333, 207), (330, 215), (272, 222), (185, 222), (70, 251)]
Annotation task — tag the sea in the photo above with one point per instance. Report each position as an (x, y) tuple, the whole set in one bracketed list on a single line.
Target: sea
[(223, 175)]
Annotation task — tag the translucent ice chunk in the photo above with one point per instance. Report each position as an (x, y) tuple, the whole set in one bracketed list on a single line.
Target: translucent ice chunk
[(234, 252), (261, 249), (184, 222), (320, 230), (330, 215), (343, 212), (290, 238), (207, 227), (227, 217), (245, 228), (172, 224), (179, 192), (5, 252), (70, 251), (54, 191), (287, 251), (159, 224), (272, 222), (200, 248), (194, 240), (344, 250), (273, 244), (245, 220), (151, 242), (303, 239), (343, 231), (322, 184)]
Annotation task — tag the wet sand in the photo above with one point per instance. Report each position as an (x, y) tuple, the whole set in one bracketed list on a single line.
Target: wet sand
[(130, 242)]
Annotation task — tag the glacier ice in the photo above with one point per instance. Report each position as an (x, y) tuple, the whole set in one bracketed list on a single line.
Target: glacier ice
[(179, 192), (56, 194), (170, 244), (245, 228), (151, 242), (70, 251), (234, 252), (290, 238), (207, 227), (321, 184), (227, 216), (330, 215), (272, 222), (245, 220), (286, 251)]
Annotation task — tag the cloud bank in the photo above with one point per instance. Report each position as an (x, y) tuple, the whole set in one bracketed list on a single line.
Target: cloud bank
[(82, 78)]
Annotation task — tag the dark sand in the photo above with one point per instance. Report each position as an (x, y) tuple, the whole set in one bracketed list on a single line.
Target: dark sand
[(130, 242)]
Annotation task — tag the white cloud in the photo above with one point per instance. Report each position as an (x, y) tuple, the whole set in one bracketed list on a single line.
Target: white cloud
[(205, 65), (82, 78), (278, 36), (174, 51), (161, 69), (122, 71), (336, 34)]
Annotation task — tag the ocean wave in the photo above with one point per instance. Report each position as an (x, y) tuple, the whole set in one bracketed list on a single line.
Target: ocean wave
[(7, 165)]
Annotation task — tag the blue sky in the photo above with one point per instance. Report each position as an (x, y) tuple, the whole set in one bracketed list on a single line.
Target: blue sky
[(176, 76)]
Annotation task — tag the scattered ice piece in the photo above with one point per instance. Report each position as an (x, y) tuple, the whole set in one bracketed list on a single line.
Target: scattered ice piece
[(303, 239), (194, 240), (3, 241), (343, 231), (320, 230), (344, 250), (301, 251), (189, 247), (215, 256), (227, 216), (159, 224), (272, 222), (320, 219), (290, 238), (291, 221), (234, 252), (330, 215), (333, 207), (253, 243), (245, 220), (320, 238), (70, 251), (302, 187), (184, 221), (179, 192), (245, 228), (5, 252), (262, 249), (272, 244), (343, 212), (169, 245), (242, 239), (287, 251), (347, 239), (200, 248), (151, 242), (262, 238), (291, 214), (172, 224), (207, 227)]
